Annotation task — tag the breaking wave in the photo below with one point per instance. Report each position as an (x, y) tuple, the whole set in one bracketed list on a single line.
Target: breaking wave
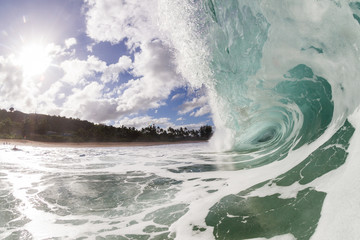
[(278, 74)]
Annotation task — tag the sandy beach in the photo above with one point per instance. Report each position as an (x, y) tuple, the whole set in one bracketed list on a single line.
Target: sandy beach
[(21, 142)]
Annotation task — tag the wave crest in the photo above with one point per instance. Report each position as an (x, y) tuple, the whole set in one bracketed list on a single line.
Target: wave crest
[(278, 74)]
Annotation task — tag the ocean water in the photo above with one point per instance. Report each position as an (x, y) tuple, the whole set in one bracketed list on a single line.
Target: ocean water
[(181, 191), (282, 79)]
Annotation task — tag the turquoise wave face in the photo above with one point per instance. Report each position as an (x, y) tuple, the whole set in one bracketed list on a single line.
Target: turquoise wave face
[(266, 116), (312, 95), (273, 103)]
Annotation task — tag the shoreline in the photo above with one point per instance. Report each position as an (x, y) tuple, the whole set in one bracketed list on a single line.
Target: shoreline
[(23, 142)]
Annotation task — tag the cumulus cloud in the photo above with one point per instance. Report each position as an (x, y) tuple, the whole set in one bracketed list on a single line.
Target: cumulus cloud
[(75, 88), (88, 103), (48, 99), (154, 66), (13, 89), (111, 73), (31, 93), (177, 96), (90, 88), (113, 21), (55, 50), (154, 78), (79, 71), (202, 111), (70, 42), (84, 83), (189, 106)]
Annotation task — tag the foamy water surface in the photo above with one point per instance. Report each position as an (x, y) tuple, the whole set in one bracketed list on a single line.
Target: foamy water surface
[(184, 191)]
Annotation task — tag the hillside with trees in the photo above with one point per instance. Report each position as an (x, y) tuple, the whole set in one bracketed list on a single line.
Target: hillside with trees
[(40, 127)]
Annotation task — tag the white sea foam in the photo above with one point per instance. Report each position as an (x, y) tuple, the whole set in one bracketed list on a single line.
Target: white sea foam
[(35, 170), (339, 214)]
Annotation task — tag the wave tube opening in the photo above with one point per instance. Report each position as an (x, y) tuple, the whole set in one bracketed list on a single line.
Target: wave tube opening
[(278, 75)]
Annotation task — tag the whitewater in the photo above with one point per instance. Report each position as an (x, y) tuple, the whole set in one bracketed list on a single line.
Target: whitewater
[(282, 78)]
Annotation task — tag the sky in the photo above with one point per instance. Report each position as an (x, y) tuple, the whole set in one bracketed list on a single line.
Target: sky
[(96, 60)]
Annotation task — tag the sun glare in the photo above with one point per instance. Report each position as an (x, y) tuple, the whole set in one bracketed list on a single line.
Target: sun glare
[(34, 60)]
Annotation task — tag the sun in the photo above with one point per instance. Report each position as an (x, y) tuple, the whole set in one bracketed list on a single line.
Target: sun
[(34, 59)]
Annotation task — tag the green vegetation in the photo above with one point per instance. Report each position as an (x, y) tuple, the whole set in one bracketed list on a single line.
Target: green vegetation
[(40, 127)]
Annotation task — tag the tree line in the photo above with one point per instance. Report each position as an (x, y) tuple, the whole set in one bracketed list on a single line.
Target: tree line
[(40, 127)]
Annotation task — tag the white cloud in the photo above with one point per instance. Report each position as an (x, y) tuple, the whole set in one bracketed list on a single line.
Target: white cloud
[(70, 42), (188, 106), (73, 89), (89, 88), (154, 66), (56, 51), (79, 71), (112, 20), (177, 96), (14, 91), (88, 98), (156, 77), (48, 99), (90, 47), (61, 96), (31, 93), (203, 111), (111, 73), (180, 119), (88, 103)]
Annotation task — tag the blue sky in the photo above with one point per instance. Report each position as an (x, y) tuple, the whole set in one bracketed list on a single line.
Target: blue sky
[(100, 60)]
